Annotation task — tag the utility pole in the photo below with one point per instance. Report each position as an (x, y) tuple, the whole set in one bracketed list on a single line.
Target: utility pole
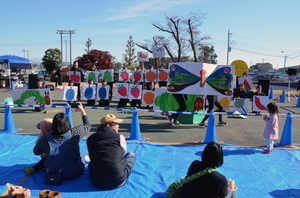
[(26, 51), (228, 48), (66, 52), (61, 32)]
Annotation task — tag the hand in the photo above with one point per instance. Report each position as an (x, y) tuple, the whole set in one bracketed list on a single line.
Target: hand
[(80, 107)]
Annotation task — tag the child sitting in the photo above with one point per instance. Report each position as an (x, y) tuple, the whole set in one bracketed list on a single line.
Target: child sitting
[(45, 126)]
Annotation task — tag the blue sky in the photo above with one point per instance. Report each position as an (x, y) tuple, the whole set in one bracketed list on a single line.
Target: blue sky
[(260, 29)]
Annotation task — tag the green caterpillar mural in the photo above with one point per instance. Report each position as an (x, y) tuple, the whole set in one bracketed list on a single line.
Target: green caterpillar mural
[(167, 102), (33, 93)]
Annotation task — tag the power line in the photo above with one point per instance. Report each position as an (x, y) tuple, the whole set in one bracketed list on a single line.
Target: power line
[(256, 52)]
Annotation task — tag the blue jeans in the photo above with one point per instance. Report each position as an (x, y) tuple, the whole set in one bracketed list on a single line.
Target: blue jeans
[(130, 158), (231, 194)]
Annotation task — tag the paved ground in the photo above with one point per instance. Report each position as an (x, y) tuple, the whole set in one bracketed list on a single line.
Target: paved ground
[(242, 132)]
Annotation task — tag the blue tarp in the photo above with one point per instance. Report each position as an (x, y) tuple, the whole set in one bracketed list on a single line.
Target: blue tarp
[(16, 61), (255, 174)]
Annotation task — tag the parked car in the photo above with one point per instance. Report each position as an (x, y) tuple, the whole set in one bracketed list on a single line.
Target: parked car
[(43, 74)]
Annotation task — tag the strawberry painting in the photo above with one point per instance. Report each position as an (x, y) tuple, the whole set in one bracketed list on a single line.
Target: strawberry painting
[(137, 75), (135, 91), (124, 75), (122, 90)]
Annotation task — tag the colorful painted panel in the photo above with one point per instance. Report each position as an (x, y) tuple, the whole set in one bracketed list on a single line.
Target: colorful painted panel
[(32, 97), (92, 75), (121, 90), (241, 105), (150, 75), (224, 101), (137, 75), (200, 78), (260, 103), (89, 92), (108, 74), (70, 93), (163, 75), (75, 76), (148, 97), (103, 92), (135, 92), (156, 105), (247, 81), (124, 75), (142, 56), (158, 52)]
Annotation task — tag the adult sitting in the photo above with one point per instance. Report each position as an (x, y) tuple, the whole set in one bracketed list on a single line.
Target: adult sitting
[(240, 92), (110, 166), (64, 140), (210, 185), (259, 91)]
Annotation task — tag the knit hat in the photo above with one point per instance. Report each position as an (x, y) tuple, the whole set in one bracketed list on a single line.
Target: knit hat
[(45, 125), (109, 118)]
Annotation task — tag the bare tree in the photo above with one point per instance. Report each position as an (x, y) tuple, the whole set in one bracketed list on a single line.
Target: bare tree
[(174, 28), (88, 45), (194, 22), (184, 35)]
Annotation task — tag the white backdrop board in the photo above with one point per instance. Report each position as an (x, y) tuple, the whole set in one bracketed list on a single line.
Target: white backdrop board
[(200, 78)]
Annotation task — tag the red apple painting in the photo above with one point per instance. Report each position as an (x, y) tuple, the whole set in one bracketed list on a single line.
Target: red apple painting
[(74, 76)]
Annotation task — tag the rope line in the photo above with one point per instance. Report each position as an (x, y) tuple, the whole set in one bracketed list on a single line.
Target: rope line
[(149, 111)]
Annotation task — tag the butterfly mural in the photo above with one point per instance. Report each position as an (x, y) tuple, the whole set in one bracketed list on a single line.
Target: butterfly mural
[(183, 79), (221, 80), (180, 78)]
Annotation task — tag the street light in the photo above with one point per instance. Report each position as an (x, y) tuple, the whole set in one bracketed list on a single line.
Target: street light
[(284, 60), (61, 32), (289, 84)]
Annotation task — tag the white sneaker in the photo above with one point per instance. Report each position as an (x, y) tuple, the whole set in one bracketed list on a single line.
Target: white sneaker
[(177, 123), (171, 120)]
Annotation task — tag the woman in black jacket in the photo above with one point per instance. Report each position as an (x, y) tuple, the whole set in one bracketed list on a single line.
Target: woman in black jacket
[(110, 165), (212, 185), (240, 92)]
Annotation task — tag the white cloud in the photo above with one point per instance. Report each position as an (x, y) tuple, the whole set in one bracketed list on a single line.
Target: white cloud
[(145, 8), (111, 31)]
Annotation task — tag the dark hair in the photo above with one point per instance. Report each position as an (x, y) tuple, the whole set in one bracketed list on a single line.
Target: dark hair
[(76, 61), (212, 155), (40, 80), (136, 81), (60, 124), (258, 87), (104, 80), (70, 81), (90, 81), (272, 108)]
